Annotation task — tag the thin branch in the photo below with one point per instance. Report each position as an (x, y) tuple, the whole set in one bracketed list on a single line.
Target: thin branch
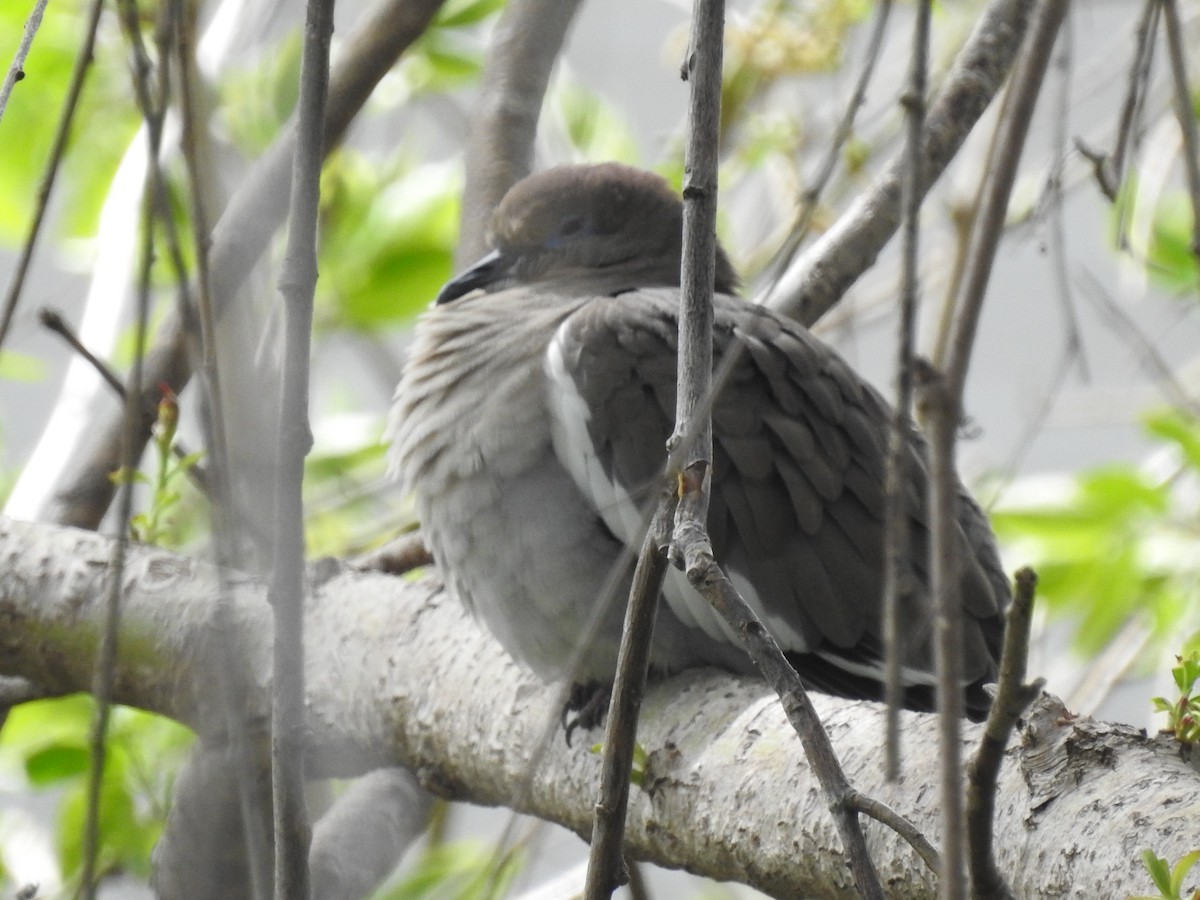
[(62, 132), (690, 443), (1135, 94), (606, 869), (881, 812), (824, 272), (1185, 113), (898, 578), (943, 397), (1010, 135), (1013, 697), (246, 777), (1053, 201), (1128, 330), (398, 557), (153, 113), (297, 284), (16, 71), (54, 322), (706, 577), (102, 689), (526, 43)]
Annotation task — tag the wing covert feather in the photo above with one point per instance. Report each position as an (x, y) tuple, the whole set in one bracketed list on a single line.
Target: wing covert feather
[(799, 463)]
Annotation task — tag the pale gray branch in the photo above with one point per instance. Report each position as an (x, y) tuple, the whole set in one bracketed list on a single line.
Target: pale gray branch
[(397, 675)]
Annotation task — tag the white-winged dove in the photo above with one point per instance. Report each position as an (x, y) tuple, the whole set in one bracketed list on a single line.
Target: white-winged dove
[(530, 427)]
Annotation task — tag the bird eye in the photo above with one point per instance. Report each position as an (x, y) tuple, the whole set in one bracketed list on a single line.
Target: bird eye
[(571, 226)]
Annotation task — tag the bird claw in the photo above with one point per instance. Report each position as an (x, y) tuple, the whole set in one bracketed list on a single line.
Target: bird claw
[(585, 707)]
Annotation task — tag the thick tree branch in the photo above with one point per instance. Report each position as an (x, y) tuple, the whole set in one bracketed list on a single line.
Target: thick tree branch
[(397, 675)]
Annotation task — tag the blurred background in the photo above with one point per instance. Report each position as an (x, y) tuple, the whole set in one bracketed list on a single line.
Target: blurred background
[(1083, 439)]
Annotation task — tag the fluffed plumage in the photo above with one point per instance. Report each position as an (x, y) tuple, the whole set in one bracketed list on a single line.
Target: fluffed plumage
[(530, 427)]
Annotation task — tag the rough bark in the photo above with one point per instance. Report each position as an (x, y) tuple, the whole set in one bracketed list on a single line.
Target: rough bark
[(399, 676)]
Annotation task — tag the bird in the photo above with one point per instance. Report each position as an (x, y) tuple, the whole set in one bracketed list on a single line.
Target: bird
[(530, 427)]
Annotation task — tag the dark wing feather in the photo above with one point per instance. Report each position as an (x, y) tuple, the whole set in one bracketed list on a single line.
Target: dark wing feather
[(799, 463)]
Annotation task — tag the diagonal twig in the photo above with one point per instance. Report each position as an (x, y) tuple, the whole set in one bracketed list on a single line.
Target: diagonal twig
[(62, 132)]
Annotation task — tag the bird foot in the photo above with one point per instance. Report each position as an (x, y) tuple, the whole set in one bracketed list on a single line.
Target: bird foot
[(585, 707)]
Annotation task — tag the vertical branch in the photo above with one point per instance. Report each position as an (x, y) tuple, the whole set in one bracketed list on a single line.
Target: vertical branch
[(1013, 695), (247, 779), (943, 399), (153, 109), (702, 69), (286, 593), (690, 444), (1185, 113), (606, 867), (898, 575)]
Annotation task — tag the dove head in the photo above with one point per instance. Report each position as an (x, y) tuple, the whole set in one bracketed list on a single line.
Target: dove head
[(600, 228)]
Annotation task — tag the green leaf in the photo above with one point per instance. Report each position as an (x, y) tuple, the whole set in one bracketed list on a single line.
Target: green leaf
[(56, 762), (1181, 429), (257, 100), (387, 243), (1181, 869), (1159, 871), (592, 125), (463, 870), (21, 366), (459, 13)]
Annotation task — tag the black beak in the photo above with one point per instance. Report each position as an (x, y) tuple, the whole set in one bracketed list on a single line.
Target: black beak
[(486, 271)]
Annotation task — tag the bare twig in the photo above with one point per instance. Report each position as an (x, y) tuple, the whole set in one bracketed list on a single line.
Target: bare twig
[(831, 264), (881, 812), (1129, 129), (690, 443), (1012, 698), (898, 579), (153, 112), (1135, 94), (525, 45), (1185, 113), (404, 554), (1128, 330), (942, 397), (706, 577), (16, 71), (247, 780), (1052, 203), (606, 868), (55, 323), (297, 284), (62, 132)]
